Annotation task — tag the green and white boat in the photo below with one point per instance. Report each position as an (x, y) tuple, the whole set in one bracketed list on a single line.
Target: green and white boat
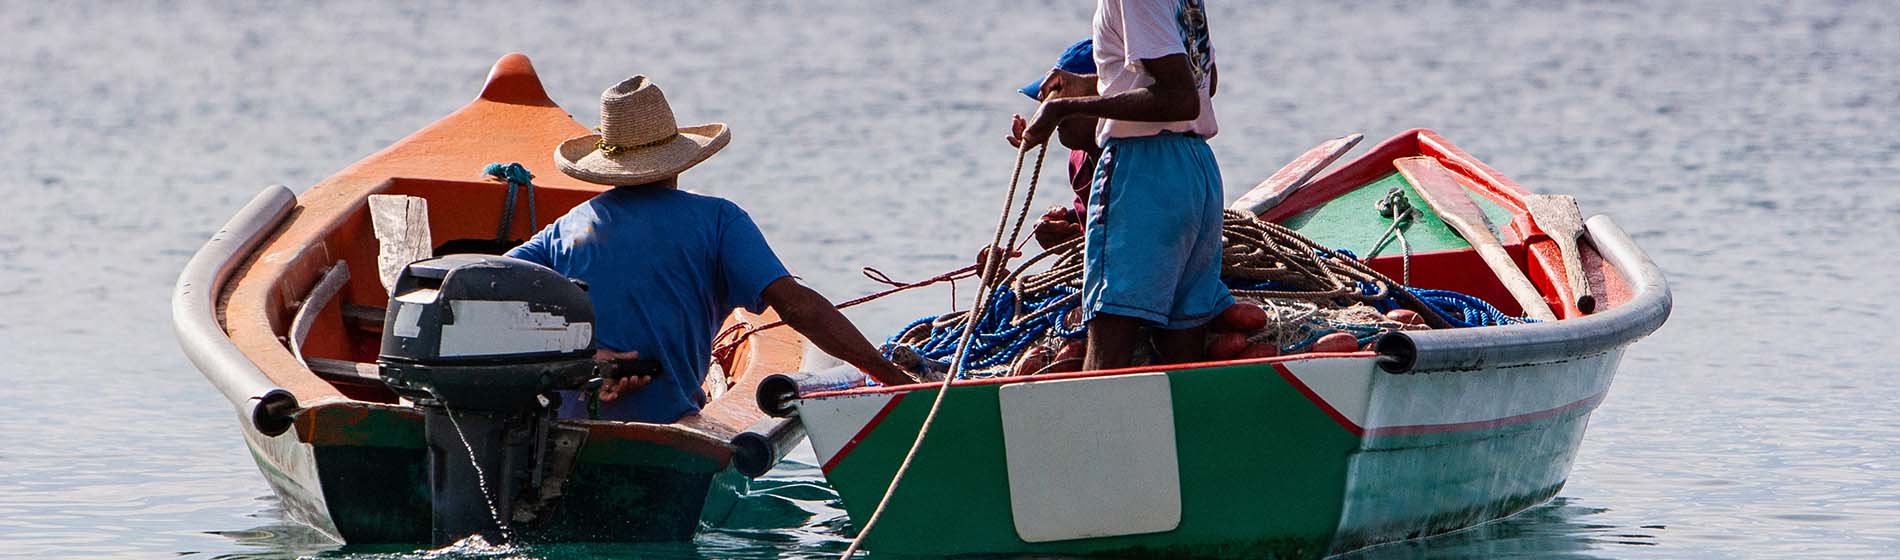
[(1304, 455)]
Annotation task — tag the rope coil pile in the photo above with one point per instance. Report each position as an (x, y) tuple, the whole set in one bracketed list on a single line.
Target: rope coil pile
[(1307, 290)]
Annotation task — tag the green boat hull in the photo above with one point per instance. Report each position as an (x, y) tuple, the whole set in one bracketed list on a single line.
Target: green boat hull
[(357, 472), (1285, 458), (1291, 457)]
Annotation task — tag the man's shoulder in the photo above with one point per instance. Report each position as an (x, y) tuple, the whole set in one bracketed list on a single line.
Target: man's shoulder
[(707, 199), (673, 200)]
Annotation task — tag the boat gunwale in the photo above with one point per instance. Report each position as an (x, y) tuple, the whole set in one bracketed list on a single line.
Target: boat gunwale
[(1153, 368), (196, 312), (1504, 346)]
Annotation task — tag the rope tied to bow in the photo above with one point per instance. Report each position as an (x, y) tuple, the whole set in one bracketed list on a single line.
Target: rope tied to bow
[(517, 177)]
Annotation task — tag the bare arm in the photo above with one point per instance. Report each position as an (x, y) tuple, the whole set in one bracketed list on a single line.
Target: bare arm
[(1172, 97), (809, 313), (1213, 79), (1078, 133)]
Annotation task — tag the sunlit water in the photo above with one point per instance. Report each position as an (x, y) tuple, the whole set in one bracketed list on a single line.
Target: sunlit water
[(1750, 147)]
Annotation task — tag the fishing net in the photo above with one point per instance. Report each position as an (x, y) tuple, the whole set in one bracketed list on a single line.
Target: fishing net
[(1307, 291)]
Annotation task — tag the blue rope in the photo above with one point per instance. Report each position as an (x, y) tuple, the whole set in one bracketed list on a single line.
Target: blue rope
[(517, 177), (996, 341)]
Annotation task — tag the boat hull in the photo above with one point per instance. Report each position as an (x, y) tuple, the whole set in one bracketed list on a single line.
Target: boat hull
[(358, 473), (1294, 456), (1291, 458)]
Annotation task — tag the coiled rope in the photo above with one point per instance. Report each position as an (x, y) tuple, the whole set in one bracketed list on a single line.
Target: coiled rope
[(991, 266), (1307, 289)]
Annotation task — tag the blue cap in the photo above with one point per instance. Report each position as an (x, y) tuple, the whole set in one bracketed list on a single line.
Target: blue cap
[(1079, 59)]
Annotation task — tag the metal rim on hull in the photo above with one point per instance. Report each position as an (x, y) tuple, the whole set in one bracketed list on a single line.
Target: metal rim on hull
[(264, 406), (1536, 343)]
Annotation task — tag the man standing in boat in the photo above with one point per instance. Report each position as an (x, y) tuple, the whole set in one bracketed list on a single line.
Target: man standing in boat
[(1153, 233), (664, 266)]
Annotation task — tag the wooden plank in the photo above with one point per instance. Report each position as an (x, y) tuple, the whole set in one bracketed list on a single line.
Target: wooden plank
[(1558, 216), (344, 369), (401, 224), (366, 317), (1295, 174), (1448, 198)]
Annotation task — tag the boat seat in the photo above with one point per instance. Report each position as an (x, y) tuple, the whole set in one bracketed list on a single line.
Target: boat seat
[(476, 246), (368, 318), (344, 369)]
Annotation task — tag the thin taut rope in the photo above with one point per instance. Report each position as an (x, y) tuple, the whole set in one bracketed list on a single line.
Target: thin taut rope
[(997, 253)]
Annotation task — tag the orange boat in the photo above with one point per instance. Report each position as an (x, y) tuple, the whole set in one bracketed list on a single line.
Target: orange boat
[(283, 312)]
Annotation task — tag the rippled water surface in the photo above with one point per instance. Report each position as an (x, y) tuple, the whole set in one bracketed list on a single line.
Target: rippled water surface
[(1750, 147)]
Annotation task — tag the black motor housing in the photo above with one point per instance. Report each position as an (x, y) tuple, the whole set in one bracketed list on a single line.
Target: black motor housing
[(480, 342)]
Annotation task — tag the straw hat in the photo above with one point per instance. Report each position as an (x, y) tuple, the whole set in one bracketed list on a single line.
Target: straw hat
[(638, 141)]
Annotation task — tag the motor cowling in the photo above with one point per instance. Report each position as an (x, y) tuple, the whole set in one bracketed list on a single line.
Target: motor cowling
[(485, 332), (480, 343)]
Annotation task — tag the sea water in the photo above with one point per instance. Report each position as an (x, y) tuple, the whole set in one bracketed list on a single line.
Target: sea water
[(1749, 146)]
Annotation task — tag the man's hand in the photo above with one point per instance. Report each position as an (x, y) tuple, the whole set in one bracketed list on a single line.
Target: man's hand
[(1016, 126), (1043, 123), (991, 252), (1056, 226), (615, 388), (1062, 83)]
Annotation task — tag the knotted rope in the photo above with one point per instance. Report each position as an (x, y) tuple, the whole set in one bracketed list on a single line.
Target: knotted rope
[(517, 177), (991, 266), (729, 339)]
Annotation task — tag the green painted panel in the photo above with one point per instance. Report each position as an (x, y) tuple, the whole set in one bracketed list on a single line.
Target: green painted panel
[(638, 453), (1262, 474), (1352, 220), (376, 494), (961, 463)]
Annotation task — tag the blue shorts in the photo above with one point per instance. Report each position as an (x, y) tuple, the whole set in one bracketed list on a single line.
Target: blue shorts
[(1153, 249)]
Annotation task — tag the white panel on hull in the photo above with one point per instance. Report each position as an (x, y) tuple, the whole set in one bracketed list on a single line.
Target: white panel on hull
[(831, 422), (1344, 383), (1091, 457)]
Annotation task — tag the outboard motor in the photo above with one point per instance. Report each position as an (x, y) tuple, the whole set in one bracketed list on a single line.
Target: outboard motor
[(480, 343)]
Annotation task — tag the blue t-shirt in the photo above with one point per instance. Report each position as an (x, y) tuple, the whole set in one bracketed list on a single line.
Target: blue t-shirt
[(664, 268)]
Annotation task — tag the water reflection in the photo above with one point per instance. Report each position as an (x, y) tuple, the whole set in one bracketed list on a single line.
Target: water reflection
[(790, 516), (1562, 528)]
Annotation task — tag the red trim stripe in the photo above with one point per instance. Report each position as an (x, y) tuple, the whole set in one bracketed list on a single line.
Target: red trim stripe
[(1324, 406), (862, 433), (1418, 429), (1082, 374), (1586, 402)]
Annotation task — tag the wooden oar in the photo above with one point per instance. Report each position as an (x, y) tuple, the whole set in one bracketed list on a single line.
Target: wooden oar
[(1558, 216), (1448, 198), (1295, 174)]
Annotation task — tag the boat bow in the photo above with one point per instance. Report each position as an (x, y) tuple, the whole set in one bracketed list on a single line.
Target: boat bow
[(1477, 348)]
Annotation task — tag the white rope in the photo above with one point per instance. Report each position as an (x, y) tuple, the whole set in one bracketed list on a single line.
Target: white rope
[(997, 254)]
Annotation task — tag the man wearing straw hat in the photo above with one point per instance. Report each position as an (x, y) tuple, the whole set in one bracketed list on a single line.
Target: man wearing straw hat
[(1152, 249), (664, 266)]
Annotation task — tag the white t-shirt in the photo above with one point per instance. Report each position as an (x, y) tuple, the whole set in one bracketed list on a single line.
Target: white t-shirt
[(1129, 31)]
